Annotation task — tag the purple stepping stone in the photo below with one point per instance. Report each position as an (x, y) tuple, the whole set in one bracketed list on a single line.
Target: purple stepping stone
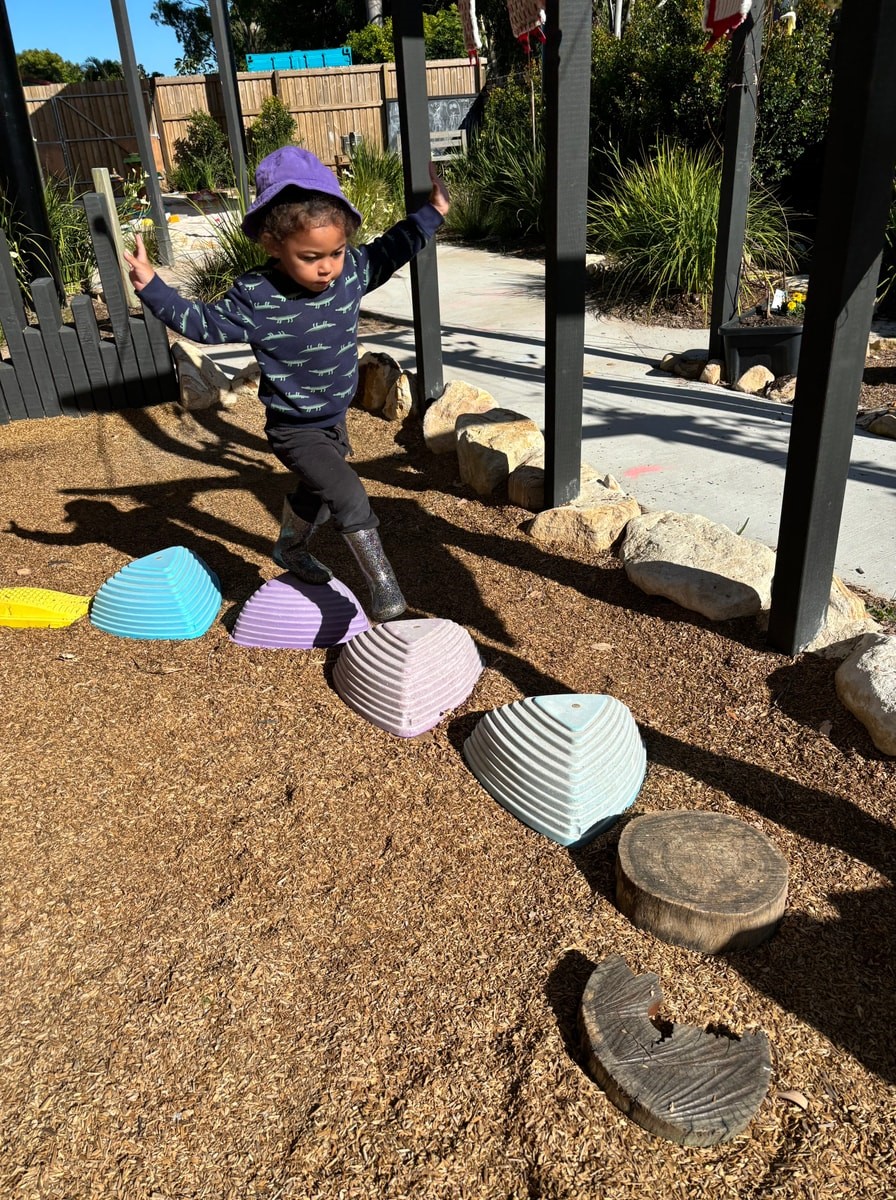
[(287, 614), (403, 676)]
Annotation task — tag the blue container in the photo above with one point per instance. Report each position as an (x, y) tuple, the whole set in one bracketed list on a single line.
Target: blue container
[(169, 595), (300, 60)]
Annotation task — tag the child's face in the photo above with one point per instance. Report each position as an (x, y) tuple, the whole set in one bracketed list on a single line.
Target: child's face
[(313, 257)]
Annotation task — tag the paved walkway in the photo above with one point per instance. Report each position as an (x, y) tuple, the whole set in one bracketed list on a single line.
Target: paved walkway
[(673, 444)]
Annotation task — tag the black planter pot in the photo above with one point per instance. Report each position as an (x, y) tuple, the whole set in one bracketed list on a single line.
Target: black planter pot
[(774, 346)]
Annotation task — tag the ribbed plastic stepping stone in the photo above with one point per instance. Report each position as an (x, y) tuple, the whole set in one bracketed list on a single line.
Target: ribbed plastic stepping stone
[(169, 595), (287, 614), (566, 766), (703, 880), (403, 676), (689, 1086), (39, 608)]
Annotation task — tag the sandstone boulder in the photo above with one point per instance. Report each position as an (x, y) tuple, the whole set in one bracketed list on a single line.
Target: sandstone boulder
[(440, 419), (377, 375), (593, 521), (712, 372), (399, 402), (201, 380), (700, 565), (884, 425), (525, 484), (754, 381), (866, 685), (492, 444)]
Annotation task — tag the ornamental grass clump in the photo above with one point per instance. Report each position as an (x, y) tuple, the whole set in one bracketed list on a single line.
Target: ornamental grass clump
[(374, 184), (658, 223), (210, 277)]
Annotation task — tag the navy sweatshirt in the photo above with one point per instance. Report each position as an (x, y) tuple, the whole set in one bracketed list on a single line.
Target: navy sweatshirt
[(305, 342)]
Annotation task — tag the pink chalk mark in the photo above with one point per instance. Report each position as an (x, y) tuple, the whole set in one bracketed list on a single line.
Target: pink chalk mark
[(633, 472)]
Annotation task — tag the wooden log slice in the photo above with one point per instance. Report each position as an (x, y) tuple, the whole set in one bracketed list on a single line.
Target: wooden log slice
[(689, 1086), (703, 880)]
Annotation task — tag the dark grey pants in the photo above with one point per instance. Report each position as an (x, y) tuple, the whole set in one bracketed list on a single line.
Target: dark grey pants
[(327, 485)]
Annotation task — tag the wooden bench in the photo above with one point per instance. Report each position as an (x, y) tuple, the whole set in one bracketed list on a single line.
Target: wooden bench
[(445, 142)]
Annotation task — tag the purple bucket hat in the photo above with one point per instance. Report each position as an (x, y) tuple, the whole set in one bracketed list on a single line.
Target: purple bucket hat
[(290, 166)]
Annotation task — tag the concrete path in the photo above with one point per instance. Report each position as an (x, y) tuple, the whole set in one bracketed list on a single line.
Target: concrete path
[(673, 444)]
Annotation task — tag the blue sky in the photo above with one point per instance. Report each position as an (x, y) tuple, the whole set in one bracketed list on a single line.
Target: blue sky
[(78, 29)]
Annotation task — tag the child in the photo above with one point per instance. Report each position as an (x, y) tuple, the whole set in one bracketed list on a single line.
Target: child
[(299, 313)]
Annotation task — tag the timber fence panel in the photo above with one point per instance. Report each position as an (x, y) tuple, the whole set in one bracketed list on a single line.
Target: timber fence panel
[(130, 382), (13, 321), (68, 380)]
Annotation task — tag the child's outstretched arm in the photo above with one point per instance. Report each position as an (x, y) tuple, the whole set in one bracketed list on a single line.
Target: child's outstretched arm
[(228, 320), (382, 257)]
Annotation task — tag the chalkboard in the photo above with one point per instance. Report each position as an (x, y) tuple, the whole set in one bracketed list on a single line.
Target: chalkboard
[(445, 113)]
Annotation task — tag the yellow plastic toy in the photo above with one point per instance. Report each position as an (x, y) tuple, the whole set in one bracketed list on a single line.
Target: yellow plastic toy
[(38, 608)]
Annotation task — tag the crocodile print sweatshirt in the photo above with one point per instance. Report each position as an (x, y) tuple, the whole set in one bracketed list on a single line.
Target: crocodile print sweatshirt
[(305, 342)]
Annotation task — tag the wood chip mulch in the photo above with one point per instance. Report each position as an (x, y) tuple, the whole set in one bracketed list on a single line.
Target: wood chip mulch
[(255, 947)]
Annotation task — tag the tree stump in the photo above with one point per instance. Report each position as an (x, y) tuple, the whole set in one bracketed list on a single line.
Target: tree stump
[(688, 1086), (700, 879)]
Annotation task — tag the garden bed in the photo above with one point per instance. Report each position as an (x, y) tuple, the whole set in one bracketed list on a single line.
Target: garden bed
[(256, 947)]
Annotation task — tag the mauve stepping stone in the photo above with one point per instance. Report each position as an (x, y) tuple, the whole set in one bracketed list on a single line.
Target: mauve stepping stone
[(567, 766), (287, 614), (403, 676), (170, 595)]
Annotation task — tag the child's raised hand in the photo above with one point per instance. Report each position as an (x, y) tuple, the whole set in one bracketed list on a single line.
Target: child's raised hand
[(438, 197), (141, 269)]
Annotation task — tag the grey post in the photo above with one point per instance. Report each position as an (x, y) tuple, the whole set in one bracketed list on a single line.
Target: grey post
[(567, 82), (233, 113), (737, 162), (413, 115), (141, 128), (855, 197)]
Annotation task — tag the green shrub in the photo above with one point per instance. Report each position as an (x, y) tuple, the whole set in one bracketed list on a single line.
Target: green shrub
[(208, 278), (794, 91), (442, 38), (659, 220), (374, 183), (202, 156), (272, 128), (656, 81)]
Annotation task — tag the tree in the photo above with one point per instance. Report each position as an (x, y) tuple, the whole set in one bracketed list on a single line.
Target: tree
[(104, 68), (256, 26), (47, 66)]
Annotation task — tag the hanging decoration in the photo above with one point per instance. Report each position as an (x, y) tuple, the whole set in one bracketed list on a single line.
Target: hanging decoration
[(720, 17), (527, 21), (470, 27)]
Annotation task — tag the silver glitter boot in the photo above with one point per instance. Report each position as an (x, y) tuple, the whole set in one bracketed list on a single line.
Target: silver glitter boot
[(291, 549), (386, 600)]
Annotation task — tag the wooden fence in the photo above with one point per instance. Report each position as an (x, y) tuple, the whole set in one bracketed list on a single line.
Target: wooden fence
[(56, 367), (81, 126)]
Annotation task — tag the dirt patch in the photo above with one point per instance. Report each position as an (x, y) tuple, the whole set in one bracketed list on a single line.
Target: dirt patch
[(253, 946)]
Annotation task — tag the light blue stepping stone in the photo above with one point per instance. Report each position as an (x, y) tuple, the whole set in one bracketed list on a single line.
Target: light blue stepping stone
[(169, 595), (567, 766)]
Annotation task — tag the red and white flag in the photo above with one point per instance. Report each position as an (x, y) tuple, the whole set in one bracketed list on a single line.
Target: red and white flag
[(721, 16)]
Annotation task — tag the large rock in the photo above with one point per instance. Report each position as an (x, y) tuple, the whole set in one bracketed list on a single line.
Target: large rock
[(884, 425), (439, 432), (847, 620), (593, 521), (754, 381), (492, 444), (700, 565), (866, 685), (202, 381), (399, 402), (377, 375), (525, 484), (243, 386)]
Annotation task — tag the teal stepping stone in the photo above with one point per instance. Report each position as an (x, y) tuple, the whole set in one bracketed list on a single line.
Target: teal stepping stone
[(169, 595)]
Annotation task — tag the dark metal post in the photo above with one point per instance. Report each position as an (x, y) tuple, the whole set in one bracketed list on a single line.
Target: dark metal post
[(233, 113), (737, 161), (413, 115), (134, 86), (20, 177), (855, 196), (567, 83)]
